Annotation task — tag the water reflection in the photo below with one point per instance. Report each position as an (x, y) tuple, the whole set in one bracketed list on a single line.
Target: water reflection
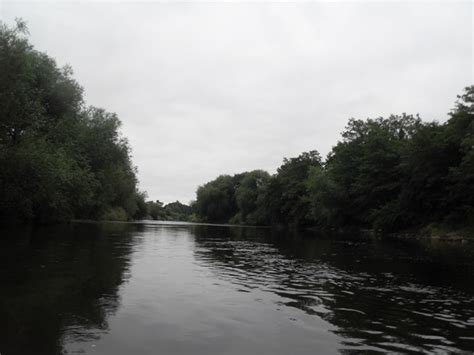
[(59, 283), (185, 289), (381, 296)]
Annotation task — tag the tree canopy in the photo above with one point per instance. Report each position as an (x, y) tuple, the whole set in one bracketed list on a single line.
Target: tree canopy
[(387, 174), (59, 158)]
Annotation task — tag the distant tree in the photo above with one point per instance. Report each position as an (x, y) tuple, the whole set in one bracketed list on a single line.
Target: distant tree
[(215, 201), (177, 211), (327, 198), (286, 198), (155, 210), (249, 193)]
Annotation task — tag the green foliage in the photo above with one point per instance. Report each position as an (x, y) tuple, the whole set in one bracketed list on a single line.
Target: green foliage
[(288, 189), (257, 198), (326, 198), (389, 174), (155, 210), (174, 211), (58, 159), (114, 214), (364, 169), (177, 211), (461, 175), (62, 160), (249, 193), (142, 210), (283, 198), (215, 200), (233, 199)]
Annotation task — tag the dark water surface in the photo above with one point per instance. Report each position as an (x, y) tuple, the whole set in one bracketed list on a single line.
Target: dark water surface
[(186, 289)]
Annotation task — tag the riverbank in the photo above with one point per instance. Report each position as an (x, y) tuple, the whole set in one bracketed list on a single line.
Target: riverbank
[(441, 233), (433, 232)]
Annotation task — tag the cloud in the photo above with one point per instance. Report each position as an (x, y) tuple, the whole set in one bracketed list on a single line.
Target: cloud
[(207, 88)]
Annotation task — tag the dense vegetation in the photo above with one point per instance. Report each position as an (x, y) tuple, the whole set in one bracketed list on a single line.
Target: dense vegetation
[(59, 159), (174, 211), (389, 173)]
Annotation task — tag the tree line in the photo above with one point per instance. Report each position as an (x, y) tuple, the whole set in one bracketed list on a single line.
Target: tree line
[(59, 158), (173, 211), (389, 174)]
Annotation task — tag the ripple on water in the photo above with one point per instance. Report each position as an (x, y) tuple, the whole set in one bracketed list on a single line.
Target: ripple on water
[(373, 311)]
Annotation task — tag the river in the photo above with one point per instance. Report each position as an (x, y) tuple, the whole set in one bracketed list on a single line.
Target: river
[(176, 288)]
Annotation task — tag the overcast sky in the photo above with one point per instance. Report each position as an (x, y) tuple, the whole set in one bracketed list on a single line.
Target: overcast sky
[(204, 89)]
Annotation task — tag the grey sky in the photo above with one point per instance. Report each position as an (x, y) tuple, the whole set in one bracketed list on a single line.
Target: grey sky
[(209, 88)]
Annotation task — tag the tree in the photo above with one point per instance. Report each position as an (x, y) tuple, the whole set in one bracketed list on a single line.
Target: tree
[(215, 201), (386, 174), (248, 195), (286, 195), (58, 160), (461, 177), (364, 169)]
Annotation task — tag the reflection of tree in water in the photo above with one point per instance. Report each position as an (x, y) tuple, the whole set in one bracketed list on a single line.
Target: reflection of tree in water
[(59, 282), (385, 296)]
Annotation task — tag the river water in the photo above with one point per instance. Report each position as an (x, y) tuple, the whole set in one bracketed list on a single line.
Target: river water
[(154, 288)]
